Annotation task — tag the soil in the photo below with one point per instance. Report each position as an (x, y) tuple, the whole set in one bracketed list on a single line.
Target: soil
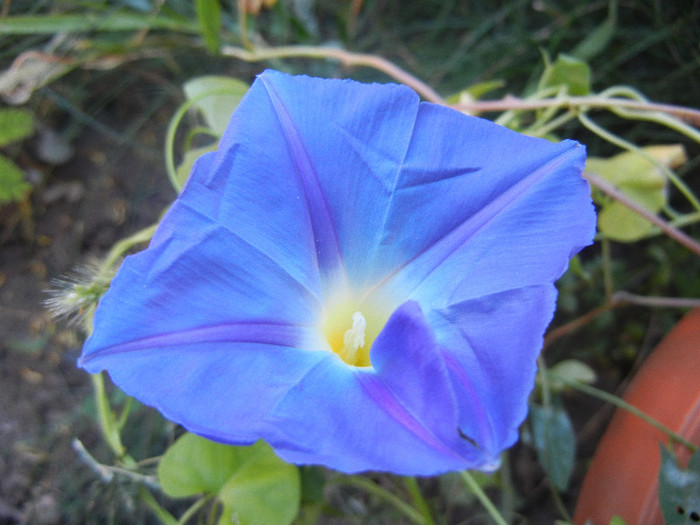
[(107, 190)]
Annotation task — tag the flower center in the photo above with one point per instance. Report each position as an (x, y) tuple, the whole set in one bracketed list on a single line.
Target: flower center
[(354, 339), (350, 327)]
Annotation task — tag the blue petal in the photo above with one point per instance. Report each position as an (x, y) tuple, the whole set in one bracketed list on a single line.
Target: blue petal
[(400, 417), (435, 173), (198, 321), (257, 186), (222, 389), (350, 144), (490, 348), (406, 358), (513, 219), (195, 274)]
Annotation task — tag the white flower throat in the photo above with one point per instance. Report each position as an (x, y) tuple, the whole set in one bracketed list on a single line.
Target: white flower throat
[(350, 326)]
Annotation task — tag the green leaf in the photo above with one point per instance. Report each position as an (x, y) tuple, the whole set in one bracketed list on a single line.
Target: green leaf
[(96, 21), (555, 442), (573, 370), (185, 167), (254, 485), (263, 490), (13, 186), (216, 97), (15, 124), (193, 465), (570, 72), (617, 520), (617, 222), (209, 17), (641, 180), (679, 490), (162, 514)]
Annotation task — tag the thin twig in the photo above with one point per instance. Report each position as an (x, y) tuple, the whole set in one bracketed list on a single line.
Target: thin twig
[(514, 103), (623, 144), (149, 481), (243, 24), (347, 58), (98, 468), (475, 489), (624, 405), (106, 472), (577, 323), (620, 298), (664, 226)]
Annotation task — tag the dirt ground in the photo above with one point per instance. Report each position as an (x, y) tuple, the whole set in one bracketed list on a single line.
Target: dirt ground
[(108, 189)]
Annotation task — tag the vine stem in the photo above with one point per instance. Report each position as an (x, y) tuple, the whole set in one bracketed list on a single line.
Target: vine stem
[(574, 325), (619, 299), (107, 419), (123, 245), (372, 488), (106, 472), (623, 297), (510, 103), (172, 129), (419, 500), (621, 403), (664, 226), (347, 58), (193, 509), (483, 498)]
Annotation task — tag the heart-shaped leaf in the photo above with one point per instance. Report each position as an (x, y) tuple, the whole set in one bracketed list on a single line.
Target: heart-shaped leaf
[(640, 179), (254, 485), (216, 97)]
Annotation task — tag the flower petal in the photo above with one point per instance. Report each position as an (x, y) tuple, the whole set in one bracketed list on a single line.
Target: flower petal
[(173, 321), (250, 185), (490, 347), (434, 172), (457, 226), (219, 389), (349, 146), (400, 417), (408, 363), (193, 275), (509, 215)]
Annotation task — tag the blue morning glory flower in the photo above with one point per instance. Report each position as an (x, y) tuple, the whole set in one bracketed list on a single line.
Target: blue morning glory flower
[(360, 279)]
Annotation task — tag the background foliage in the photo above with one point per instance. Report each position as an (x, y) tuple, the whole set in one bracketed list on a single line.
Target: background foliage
[(115, 70)]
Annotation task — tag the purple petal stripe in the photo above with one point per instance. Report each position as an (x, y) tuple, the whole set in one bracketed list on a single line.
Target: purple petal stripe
[(417, 269), (384, 398), (325, 234), (274, 334)]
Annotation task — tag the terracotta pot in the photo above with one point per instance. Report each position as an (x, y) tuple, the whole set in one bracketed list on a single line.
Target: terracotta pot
[(622, 478)]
